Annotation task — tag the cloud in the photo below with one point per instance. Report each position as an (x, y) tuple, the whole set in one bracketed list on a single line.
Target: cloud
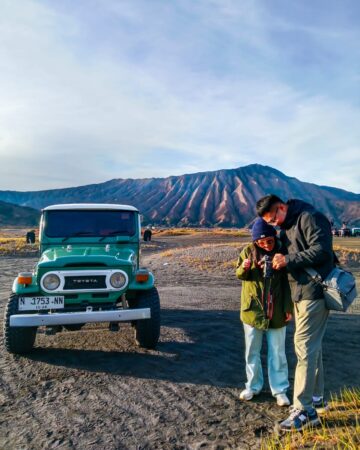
[(93, 91)]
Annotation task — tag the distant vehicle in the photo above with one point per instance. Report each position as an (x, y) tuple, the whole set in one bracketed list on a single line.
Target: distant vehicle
[(355, 231), (88, 271), (345, 232)]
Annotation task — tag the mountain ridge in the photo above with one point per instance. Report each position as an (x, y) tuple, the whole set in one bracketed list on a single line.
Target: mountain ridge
[(225, 197), (12, 214)]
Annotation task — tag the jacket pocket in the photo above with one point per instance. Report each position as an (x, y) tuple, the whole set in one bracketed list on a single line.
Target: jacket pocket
[(247, 303)]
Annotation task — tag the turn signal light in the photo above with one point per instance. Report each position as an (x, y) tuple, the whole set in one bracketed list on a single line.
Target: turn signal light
[(25, 278), (142, 277)]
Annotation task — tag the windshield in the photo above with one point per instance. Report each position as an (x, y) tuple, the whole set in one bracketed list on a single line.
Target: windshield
[(91, 223)]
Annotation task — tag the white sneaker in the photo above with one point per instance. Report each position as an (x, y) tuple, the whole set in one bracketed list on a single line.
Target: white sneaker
[(247, 394), (282, 400)]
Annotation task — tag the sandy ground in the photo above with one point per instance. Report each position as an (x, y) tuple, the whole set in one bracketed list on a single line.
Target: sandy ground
[(94, 389)]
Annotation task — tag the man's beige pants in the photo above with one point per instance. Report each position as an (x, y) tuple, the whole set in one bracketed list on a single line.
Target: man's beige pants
[(310, 324)]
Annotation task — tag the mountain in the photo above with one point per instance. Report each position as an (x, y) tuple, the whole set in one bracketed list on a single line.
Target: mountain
[(221, 198), (14, 215)]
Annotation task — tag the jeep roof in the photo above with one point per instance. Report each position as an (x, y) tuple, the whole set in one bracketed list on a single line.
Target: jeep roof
[(90, 206)]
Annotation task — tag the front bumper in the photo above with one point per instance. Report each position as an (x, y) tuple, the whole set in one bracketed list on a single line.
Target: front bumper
[(119, 315)]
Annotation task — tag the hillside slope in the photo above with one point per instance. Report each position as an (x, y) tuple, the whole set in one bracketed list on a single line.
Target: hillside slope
[(222, 198), (15, 215)]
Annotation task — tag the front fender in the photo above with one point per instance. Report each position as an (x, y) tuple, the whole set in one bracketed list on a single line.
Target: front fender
[(24, 289), (135, 286)]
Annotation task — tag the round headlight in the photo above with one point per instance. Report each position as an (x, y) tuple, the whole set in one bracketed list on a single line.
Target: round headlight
[(51, 282), (118, 280)]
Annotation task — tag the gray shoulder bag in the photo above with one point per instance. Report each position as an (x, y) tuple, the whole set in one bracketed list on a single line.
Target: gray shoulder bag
[(339, 288)]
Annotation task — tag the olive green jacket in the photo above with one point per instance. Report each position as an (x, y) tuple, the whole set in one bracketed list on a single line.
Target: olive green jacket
[(251, 304)]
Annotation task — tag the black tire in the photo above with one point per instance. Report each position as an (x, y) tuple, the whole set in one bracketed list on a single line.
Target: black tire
[(17, 340), (147, 331)]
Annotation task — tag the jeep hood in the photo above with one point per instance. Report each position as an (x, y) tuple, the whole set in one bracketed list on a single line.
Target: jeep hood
[(66, 256)]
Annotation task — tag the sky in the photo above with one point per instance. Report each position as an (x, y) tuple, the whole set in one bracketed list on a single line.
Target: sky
[(92, 90)]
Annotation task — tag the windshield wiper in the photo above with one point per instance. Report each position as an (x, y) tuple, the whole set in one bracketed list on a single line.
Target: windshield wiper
[(112, 233), (78, 233)]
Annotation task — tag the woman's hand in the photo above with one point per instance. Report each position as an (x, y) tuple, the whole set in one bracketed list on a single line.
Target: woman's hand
[(246, 264), (288, 317)]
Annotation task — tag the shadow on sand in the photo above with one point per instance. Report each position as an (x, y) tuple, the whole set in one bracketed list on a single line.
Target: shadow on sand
[(205, 347), (201, 347)]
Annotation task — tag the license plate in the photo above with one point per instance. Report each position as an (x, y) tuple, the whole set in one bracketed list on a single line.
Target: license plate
[(39, 303)]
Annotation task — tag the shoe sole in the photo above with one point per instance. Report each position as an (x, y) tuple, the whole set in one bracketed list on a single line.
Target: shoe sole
[(283, 404), (322, 410), (248, 399)]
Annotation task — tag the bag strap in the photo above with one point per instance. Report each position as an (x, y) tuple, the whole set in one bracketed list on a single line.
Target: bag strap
[(314, 275)]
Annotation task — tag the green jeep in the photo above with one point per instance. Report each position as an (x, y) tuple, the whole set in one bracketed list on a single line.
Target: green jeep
[(88, 272)]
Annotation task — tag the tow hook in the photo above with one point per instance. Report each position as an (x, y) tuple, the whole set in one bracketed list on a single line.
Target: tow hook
[(114, 326)]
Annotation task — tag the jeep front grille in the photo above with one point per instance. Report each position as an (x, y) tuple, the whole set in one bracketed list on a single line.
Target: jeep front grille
[(80, 281), (85, 282)]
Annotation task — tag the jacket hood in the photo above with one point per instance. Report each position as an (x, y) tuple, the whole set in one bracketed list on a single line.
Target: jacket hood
[(295, 208)]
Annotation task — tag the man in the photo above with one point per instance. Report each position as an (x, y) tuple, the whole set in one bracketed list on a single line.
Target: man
[(308, 238)]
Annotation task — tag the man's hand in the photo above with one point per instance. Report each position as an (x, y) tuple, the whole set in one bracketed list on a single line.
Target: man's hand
[(246, 264), (278, 261), (288, 317)]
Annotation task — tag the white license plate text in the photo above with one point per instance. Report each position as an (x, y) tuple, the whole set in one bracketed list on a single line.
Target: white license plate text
[(39, 303)]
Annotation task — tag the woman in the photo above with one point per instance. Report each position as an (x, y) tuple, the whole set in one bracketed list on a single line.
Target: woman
[(266, 307)]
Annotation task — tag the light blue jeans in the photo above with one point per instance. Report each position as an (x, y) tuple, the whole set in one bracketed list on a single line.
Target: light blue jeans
[(276, 359)]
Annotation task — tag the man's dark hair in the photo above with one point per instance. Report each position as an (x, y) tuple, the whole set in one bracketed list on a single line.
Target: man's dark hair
[(264, 204)]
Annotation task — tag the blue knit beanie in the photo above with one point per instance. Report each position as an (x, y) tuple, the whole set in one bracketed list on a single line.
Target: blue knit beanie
[(262, 230)]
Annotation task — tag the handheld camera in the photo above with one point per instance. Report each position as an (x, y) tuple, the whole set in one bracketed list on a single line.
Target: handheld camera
[(267, 268)]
